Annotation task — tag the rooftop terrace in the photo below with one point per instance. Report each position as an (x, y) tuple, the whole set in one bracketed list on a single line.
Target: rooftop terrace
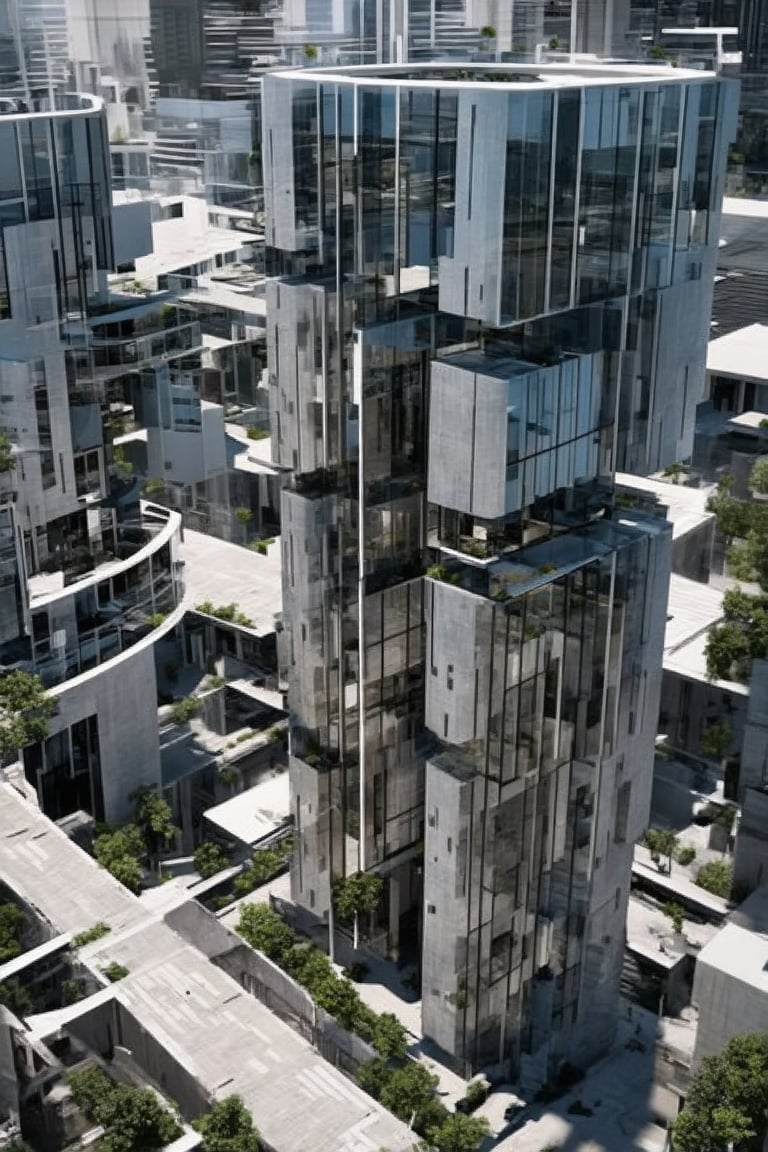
[(501, 76)]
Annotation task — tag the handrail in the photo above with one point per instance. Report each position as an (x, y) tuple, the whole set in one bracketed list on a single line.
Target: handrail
[(149, 511)]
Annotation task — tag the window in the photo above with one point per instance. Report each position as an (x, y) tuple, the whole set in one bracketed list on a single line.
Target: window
[(622, 813)]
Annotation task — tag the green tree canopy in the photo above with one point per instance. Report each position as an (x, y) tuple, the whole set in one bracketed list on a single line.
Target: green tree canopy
[(7, 462), (389, 1037), (154, 818), (25, 709), (716, 877), (457, 1133), (263, 929), (11, 929), (406, 1091), (758, 477), (661, 842), (715, 740), (209, 859), (134, 1119), (15, 997), (728, 1100), (358, 893), (228, 1127), (120, 851)]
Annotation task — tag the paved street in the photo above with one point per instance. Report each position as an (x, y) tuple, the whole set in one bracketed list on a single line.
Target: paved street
[(617, 1090)]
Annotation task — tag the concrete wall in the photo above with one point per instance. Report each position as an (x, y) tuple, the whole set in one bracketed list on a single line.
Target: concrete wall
[(727, 1007), (132, 230), (123, 694), (750, 865)]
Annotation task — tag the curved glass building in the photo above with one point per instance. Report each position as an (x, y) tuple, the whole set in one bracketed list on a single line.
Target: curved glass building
[(491, 290), (89, 576)]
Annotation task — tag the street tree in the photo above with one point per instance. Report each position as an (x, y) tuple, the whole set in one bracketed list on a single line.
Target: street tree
[(389, 1037), (263, 929), (356, 895), (135, 1121), (209, 859), (715, 740), (661, 842), (25, 709), (457, 1133), (228, 1127), (121, 850), (727, 1106), (154, 817)]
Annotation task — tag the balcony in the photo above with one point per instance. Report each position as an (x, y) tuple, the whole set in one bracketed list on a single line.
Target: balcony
[(80, 621)]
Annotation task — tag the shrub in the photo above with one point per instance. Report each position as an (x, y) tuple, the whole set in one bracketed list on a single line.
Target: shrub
[(71, 991), (263, 929), (134, 1120), (230, 613), (390, 1038), (11, 930), (475, 1095), (228, 1127), (758, 477), (7, 462), (115, 972), (256, 433), (15, 998), (120, 851), (265, 863), (716, 877), (183, 710), (95, 933), (209, 859), (686, 855), (675, 912)]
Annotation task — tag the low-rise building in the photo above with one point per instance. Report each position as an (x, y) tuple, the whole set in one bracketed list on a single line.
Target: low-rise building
[(730, 987), (177, 1019)]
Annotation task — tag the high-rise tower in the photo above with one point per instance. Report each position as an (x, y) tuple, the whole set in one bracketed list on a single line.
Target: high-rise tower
[(492, 290), (90, 574)]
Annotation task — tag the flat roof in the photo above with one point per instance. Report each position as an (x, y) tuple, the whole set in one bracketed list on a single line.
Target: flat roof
[(501, 77), (225, 1038), (748, 421), (231, 1043), (686, 507), (741, 954), (53, 876), (648, 929), (743, 353), (225, 573), (692, 609), (177, 247), (734, 206), (237, 297), (676, 884), (256, 813)]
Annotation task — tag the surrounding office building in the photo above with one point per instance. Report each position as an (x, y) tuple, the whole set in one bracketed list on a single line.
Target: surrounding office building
[(90, 572), (491, 291)]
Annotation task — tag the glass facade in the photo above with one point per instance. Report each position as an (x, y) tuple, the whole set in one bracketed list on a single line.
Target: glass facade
[(490, 291), (87, 571)]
